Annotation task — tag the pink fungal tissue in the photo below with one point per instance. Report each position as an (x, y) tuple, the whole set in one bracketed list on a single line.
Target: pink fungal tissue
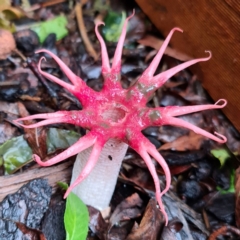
[(120, 113)]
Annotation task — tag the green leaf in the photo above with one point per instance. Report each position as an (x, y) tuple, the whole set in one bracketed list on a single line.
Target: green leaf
[(76, 218), (113, 26), (231, 188), (221, 154), (99, 6), (15, 153), (56, 25), (63, 185), (6, 24), (60, 139)]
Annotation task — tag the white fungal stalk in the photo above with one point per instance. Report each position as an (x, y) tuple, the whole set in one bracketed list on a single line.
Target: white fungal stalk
[(97, 188)]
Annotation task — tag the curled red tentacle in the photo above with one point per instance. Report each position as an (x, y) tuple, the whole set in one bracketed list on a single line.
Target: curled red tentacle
[(105, 59), (221, 105), (155, 62), (96, 151), (82, 144), (145, 156), (161, 78), (143, 147), (73, 117), (181, 123), (116, 64), (174, 111), (67, 86), (157, 156), (76, 81)]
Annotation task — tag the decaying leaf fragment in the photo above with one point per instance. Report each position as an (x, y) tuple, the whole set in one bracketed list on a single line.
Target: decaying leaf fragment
[(7, 43)]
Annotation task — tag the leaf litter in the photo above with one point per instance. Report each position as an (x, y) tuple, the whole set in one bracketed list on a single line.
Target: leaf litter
[(187, 154)]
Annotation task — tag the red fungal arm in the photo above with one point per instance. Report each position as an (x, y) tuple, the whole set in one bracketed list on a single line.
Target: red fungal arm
[(147, 85), (145, 156), (73, 117), (79, 87), (174, 111), (105, 60), (161, 78), (116, 64), (82, 144), (164, 116), (88, 167), (149, 72), (181, 123), (76, 81), (65, 85), (143, 147), (157, 156)]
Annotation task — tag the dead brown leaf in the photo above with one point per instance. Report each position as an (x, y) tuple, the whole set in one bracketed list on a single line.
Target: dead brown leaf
[(150, 225), (36, 137), (129, 208), (9, 108), (139, 177), (237, 193), (192, 141), (175, 170), (7, 131), (29, 233), (32, 79), (156, 43), (97, 224), (8, 111), (7, 43), (170, 231)]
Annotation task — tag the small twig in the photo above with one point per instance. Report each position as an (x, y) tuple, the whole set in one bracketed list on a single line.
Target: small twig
[(16, 51), (25, 97), (42, 5), (52, 2), (33, 66), (205, 218), (155, 101), (36, 137), (9, 83), (223, 231), (82, 29)]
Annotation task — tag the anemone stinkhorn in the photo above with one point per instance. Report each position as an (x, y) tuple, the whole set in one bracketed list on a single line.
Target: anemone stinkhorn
[(115, 118)]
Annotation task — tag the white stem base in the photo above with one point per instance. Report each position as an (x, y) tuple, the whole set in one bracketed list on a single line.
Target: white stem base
[(97, 189)]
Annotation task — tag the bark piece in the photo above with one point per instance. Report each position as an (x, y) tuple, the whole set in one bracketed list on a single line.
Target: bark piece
[(59, 173), (26, 206)]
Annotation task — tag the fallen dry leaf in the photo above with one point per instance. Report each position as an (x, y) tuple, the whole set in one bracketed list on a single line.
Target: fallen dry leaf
[(192, 141), (32, 79), (11, 108), (29, 233), (7, 43), (97, 224), (237, 194), (169, 232), (128, 209), (36, 137), (156, 43), (8, 111), (7, 131), (150, 225)]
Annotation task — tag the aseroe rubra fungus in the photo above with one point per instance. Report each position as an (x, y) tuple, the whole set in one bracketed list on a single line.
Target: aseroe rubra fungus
[(120, 114)]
